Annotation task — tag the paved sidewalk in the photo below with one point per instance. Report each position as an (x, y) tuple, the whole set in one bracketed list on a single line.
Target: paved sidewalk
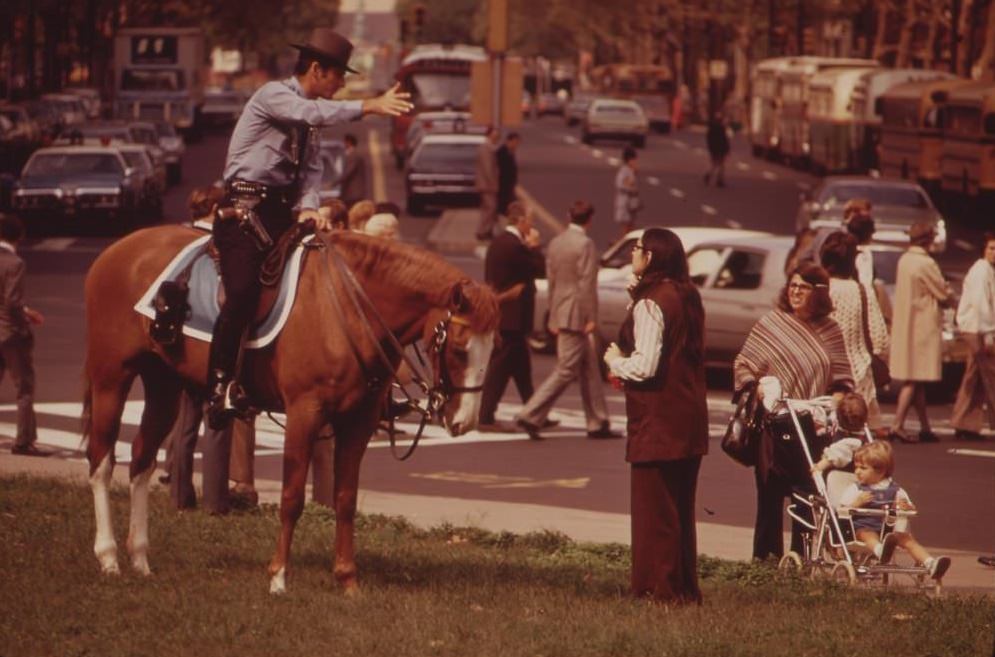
[(723, 541)]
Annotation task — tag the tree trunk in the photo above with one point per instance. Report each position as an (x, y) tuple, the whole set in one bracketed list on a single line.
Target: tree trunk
[(909, 23), (962, 34), (882, 8), (984, 63)]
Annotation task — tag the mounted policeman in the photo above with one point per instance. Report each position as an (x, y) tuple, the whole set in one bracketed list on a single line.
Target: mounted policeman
[(273, 171)]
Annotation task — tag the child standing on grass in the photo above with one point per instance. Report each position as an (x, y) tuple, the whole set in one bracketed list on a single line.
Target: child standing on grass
[(874, 464)]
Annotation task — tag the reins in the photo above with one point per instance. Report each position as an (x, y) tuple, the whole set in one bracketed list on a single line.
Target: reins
[(436, 396)]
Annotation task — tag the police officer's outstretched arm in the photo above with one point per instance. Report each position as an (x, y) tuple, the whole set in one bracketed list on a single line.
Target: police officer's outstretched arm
[(393, 102)]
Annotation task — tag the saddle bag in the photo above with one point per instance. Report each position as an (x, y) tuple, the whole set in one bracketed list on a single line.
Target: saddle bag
[(171, 311)]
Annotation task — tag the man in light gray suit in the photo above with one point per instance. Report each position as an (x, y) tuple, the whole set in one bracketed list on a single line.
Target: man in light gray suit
[(17, 341), (572, 270), (487, 185)]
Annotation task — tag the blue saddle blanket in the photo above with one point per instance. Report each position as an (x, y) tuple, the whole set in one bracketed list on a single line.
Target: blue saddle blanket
[(203, 299)]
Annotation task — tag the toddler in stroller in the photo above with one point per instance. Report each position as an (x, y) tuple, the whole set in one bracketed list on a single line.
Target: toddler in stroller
[(874, 464)]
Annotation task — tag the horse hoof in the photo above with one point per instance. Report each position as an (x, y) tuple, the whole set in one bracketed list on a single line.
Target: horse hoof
[(278, 583), (141, 566), (110, 568), (352, 590)]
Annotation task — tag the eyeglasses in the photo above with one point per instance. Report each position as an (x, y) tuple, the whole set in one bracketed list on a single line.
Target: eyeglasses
[(638, 247), (804, 287)]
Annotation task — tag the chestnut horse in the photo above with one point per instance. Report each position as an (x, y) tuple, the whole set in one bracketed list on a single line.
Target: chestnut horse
[(312, 371)]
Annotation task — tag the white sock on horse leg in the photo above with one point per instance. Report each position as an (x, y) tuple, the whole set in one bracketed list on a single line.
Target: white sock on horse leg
[(104, 545), (138, 530)]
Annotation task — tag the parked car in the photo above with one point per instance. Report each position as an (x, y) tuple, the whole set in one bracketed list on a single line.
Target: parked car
[(221, 107), (440, 123), (576, 108), (90, 98), (153, 178), (77, 184), (657, 111), (173, 148), (146, 133), (897, 204), (615, 119), (548, 103), (442, 170), (740, 274)]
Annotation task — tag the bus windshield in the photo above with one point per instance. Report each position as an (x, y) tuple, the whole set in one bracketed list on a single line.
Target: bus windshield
[(437, 90), (134, 79)]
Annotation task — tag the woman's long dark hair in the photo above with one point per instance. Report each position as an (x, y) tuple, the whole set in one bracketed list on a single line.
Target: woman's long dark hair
[(668, 261)]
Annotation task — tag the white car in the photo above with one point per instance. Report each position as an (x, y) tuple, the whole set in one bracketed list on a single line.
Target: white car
[(607, 118)]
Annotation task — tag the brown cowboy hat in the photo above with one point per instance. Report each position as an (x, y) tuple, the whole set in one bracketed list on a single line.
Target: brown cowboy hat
[(328, 45)]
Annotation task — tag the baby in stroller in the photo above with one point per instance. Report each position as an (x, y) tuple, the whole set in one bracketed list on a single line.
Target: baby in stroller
[(874, 464)]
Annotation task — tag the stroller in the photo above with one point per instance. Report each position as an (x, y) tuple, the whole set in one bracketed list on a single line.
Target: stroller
[(830, 548)]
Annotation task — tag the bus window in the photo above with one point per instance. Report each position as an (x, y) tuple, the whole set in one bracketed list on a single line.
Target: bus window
[(963, 120), (436, 90)]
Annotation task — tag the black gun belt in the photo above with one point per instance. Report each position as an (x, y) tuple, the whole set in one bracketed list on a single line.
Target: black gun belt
[(286, 194)]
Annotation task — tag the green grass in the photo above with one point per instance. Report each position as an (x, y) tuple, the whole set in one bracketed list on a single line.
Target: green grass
[(445, 591)]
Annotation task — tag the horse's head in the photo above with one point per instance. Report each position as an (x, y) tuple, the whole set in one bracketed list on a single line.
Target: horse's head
[(461, 348)]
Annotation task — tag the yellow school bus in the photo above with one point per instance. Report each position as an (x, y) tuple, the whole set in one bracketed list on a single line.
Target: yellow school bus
[(911, 140), (967, 160)]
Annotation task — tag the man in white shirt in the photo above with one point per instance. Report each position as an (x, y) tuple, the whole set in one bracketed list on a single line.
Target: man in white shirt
[(976, 320)]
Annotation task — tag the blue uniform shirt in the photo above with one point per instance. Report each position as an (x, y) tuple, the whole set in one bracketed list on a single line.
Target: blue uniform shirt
[(262, 148)]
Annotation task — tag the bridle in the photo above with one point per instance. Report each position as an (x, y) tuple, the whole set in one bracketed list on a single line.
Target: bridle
[(438, 393)]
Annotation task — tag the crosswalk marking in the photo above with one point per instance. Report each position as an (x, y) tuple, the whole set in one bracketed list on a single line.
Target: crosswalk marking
[(54, 244), (742, 166), (709, 210), (653, 180), (769, 175), (677, 193)]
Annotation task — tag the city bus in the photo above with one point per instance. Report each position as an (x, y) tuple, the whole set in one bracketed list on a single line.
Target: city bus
[(650, 85), (765, 106), (911, 140), (795, 145), (831, 119), (867, 128), (438, 78), (967, 159)]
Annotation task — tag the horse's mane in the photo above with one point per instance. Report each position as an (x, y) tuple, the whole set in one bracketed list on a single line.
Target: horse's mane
[(420, 271)]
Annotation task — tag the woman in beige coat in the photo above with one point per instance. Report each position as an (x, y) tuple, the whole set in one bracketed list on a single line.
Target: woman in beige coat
[(916, 338)]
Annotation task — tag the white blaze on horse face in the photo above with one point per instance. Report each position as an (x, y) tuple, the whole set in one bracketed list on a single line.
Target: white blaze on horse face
[(478, 351), (104, 545), (138, 531)]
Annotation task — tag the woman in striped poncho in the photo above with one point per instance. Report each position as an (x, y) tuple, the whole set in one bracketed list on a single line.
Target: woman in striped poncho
[(799, 344)]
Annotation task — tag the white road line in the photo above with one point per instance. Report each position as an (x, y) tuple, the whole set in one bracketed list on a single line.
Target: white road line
[(804, 186), (653, 180), (570, 139), (676, 193), (680, 144), (376, 165), (614, 161), (964, 245), (742, 166), (597, 153), (732, 223), (709, 210), (54, 244), (972, 452), (769, 175), (541, 213)]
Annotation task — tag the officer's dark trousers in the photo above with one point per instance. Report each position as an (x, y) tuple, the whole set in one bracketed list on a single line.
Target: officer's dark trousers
[(240, 260)]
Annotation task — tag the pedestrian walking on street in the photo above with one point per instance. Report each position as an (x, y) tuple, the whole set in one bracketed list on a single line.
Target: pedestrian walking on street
[(572, 271), (17, 342), (507, 172), (272, 170), (855, 309), (717, 140), (353, 180), (660, 359), (976, 320), (511, 266), (799, 345), (916, 330), (487, 183), (627, 201)]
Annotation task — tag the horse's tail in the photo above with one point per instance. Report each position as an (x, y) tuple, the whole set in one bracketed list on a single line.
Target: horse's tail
[(86, 419)]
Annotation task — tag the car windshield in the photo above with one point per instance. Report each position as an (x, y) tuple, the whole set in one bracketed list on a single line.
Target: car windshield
[(877, 194), (47, 164), (458, 157), (886, 265), (165, 129), (430, 90)]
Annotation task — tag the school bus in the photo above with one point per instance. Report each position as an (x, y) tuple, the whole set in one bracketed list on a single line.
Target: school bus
[(795, 137), (831, 119), (911, 141), (967, 159)]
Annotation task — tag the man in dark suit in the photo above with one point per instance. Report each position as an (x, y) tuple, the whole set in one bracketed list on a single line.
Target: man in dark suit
[(353, 173), (507, 172), (511, 266), (16, 339)]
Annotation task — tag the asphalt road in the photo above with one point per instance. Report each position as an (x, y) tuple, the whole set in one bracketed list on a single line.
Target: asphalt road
[(953, 489)]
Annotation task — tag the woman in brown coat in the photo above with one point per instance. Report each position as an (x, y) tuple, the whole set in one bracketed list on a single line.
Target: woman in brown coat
[(660, 360)]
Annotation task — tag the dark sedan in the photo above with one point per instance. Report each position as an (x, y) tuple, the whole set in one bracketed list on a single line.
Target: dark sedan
[(442, 170), (71, 185)]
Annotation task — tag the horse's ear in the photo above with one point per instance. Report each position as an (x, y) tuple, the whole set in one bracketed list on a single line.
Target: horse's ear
[(459, 302)]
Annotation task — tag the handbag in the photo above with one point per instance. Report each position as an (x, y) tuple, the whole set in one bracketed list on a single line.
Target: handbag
[(879, 368), (741, 440)]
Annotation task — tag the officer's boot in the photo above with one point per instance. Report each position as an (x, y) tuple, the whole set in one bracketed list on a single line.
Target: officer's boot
[(219, 412), (221, 372)]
